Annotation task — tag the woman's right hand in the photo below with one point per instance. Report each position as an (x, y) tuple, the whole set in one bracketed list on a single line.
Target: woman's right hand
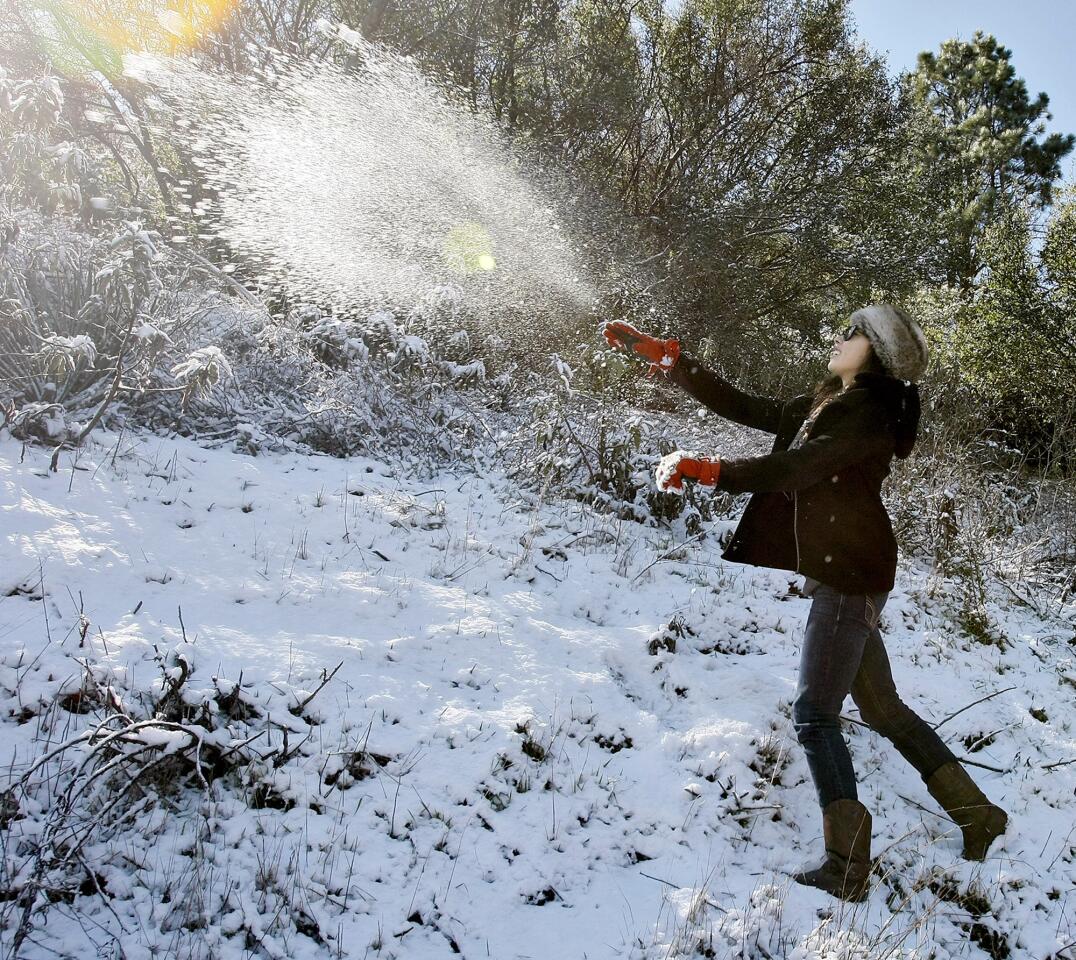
[(662, 354)]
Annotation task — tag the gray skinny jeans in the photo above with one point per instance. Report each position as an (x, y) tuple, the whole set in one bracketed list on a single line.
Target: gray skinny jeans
[(843, 653)]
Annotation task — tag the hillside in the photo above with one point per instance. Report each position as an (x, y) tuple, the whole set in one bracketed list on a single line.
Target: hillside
[(447, 718)]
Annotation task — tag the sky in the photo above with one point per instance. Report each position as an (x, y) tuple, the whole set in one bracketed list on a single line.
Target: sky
[(1039, 33)]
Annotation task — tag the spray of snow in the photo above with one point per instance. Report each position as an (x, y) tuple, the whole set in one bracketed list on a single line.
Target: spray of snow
[(366, 184)]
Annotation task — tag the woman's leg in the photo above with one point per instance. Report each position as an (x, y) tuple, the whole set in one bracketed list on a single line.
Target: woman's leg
[(879, 705), (838, 627), (873, 690)]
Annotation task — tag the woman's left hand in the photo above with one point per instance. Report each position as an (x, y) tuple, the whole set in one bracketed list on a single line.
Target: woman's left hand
[(686, 464)]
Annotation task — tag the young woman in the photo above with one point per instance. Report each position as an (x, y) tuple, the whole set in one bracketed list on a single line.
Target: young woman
[(817, 509)]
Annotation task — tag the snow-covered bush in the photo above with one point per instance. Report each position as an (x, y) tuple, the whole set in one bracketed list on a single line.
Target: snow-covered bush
[(91, 323), (201, 370), (122, 326), (115, 754), (404, 384), (336, 341), (596, 452), (39, 165), (47, 422), (60, 356), (970, 511)]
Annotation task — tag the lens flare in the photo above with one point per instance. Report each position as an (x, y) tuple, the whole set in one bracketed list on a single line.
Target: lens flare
[(86, 35), (468, 248), (189, 23)]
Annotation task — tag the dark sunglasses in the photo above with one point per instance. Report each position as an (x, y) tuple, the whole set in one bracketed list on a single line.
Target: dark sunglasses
[(851, 330)]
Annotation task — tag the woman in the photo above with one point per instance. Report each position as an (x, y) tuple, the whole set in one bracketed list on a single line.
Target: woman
[(817, 509)]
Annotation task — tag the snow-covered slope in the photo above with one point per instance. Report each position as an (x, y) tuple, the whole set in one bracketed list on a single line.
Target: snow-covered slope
[(544, 732)]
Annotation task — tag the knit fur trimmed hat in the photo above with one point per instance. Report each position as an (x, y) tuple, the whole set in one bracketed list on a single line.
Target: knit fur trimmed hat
[(896, 338)]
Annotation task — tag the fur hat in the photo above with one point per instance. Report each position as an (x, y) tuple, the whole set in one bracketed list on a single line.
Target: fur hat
[(896, 338)]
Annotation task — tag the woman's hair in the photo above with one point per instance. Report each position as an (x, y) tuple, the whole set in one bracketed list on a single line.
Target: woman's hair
[(831, 384)]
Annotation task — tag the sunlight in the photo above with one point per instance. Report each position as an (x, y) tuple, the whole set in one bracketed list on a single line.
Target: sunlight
[(98, 33), (468, 248)]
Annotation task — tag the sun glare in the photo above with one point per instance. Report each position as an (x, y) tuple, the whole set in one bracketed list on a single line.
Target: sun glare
[(468, 248), (99, 33)]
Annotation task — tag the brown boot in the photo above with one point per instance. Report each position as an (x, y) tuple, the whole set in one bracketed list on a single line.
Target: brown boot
[(845, 869), (979, 820)]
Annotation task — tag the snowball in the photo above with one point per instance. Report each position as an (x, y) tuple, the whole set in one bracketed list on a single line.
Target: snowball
[(669, 465)]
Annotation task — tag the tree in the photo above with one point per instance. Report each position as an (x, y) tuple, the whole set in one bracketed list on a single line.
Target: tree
[(1059, 257), (1013, 336), (987, 138)]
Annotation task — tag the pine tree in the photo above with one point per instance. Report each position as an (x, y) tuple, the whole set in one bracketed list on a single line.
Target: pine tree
[(986, 136)]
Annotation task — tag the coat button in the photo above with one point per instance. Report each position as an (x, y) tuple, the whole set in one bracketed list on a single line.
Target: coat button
[(834, 478), (828, 558), (832, 517)]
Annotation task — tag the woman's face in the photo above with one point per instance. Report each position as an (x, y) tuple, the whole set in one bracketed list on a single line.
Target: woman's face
[(848, 357)]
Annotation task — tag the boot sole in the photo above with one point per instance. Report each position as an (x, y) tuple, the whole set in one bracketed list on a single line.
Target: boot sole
[(852, 893)]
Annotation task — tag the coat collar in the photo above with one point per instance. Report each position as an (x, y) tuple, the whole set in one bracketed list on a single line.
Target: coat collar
[(882, 385), (872, 387)]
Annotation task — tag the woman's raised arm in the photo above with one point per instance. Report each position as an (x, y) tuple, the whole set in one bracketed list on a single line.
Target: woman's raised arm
[(761, 413)]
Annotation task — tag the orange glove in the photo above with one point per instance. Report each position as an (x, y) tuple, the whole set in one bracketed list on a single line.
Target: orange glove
[(662, 354), (680, 465)]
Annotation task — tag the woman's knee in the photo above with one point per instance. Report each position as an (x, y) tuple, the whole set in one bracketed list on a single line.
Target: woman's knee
[(886, 714), (810, 718)]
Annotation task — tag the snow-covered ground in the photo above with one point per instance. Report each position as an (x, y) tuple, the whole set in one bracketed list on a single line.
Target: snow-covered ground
[(547, 733)]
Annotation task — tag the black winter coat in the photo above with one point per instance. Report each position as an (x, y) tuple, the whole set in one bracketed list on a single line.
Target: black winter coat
[(817, 509)]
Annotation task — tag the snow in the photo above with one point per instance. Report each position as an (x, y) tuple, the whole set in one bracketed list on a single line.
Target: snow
[(667, 468), (539, 742), (205, 362), (475, 369), (77, 348)]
